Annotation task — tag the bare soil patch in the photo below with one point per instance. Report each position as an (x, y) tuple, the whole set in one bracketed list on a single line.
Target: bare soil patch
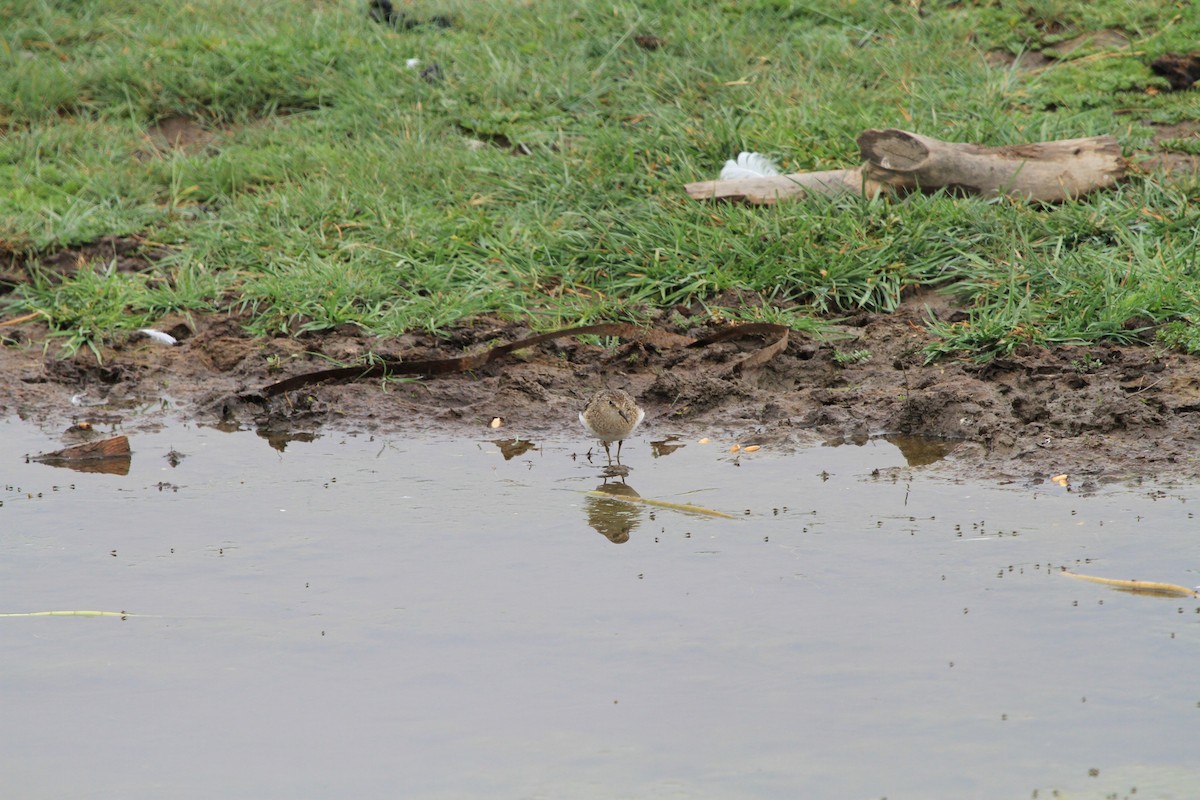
[(125, 253), (179, 133), (1180, 164), (1094, 413)]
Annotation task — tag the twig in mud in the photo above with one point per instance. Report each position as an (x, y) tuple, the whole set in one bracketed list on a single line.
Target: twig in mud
[(26, 318), (776, 334), (1146, 388)]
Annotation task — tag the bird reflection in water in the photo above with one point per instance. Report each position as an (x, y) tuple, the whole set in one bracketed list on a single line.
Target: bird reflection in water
[(511, 448), (611, 517), (665, 447)]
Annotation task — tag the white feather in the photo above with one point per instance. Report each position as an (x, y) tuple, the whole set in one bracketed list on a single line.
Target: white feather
[(749, 165), (159, 336), (412, 63)]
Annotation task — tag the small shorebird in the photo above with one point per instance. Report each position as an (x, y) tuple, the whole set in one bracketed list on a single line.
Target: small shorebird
[(610, 416)]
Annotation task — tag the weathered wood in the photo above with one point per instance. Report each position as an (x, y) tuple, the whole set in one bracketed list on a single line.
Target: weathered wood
[(768, 189), (903, 162), (1048, 172)]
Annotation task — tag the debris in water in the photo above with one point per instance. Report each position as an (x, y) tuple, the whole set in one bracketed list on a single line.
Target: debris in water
[(1138, 587), (109, 456), (687, 507)]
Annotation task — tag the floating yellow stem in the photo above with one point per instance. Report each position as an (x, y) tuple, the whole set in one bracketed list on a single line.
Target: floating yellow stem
[(72, 614), (686, 507), (1144, 587)]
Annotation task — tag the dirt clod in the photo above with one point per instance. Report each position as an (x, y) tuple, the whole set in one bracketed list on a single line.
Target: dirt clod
[(1181, 71)]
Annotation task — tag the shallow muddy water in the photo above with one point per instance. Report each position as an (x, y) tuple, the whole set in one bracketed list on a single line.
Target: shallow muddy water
[(379, 616)]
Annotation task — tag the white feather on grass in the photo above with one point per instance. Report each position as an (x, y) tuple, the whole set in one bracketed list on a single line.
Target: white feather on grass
[(749, 165), (159, 336)]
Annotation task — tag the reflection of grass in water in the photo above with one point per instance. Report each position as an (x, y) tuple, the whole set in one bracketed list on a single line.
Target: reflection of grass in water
[(919, 451)]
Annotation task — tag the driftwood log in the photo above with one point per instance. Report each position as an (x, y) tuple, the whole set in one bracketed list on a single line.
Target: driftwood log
[(770, 188), (903, 162)]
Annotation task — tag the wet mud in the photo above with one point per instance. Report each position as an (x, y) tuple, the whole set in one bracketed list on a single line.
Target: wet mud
[(1091, 412)]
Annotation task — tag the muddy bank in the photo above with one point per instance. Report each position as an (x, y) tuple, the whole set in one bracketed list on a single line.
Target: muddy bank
[(1097, 412)]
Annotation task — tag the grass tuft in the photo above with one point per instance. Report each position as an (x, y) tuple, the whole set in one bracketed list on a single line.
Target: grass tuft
[(537, 173)]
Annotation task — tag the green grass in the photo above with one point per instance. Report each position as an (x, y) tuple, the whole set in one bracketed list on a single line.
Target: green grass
[(541, 179)]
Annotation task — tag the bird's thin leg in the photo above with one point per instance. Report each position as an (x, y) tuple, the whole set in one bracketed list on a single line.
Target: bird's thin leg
[(608, 453), (619, 443)]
